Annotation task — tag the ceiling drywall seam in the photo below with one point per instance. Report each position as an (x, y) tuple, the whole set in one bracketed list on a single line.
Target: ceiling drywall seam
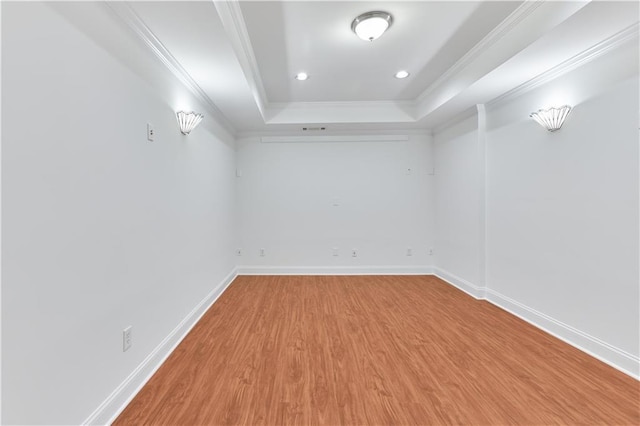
[(133, 21), (605, 46), (236, 29)]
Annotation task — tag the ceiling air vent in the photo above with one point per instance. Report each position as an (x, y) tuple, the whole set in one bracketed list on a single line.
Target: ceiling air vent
[(313, 129)]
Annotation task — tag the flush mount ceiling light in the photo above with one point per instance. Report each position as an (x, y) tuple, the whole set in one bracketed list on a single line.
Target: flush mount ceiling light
[(371, 25), (302, 76), (551, 118), (188, 121), (402, 74)]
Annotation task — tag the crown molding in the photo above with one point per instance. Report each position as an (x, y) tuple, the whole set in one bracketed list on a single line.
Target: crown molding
[(335, 133), (341, 104), (334, 138), (233, 22), (340, 112), (127, 15), (605, 46), (384, 112), (495, 35)]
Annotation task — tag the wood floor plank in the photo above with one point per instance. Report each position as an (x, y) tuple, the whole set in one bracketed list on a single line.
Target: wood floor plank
[(373, 350)]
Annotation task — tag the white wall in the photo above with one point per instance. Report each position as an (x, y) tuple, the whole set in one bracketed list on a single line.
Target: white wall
[(287, 192), (562, 215), (562, 211), (457, 202), (101, 228)]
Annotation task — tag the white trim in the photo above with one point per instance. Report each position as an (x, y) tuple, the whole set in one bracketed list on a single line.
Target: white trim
[(609, 354), (587, 55), (481, 152), (127, 15), (0, 229), (335, 270), (332, 138), (460, 283), (599, 349), (332, 132), (407, 104), (115, 403), (234, 25), (495, 35)]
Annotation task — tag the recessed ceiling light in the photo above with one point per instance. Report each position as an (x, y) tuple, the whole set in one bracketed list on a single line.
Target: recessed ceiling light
[(302, 76), (371, 25), (402, 74)]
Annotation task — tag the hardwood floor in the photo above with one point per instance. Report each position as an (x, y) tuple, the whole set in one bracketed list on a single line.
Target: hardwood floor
[(376, 350)]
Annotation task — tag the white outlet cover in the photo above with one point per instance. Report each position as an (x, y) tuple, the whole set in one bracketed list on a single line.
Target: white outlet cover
[(127, 339)]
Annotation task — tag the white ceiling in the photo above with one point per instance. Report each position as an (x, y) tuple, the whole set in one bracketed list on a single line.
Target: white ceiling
[(242, 56), (316, 37)]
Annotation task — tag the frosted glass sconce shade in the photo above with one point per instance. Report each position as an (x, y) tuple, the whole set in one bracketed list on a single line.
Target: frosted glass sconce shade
[(188, 121), (551, 118)]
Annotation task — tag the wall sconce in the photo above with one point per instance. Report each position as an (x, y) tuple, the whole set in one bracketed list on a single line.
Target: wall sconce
[(188, 121), (551, 118)]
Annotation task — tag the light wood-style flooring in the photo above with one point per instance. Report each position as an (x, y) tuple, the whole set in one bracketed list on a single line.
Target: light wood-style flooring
[(374, 350)]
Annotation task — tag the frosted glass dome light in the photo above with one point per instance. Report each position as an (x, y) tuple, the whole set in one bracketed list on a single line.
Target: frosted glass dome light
[(371, 25)]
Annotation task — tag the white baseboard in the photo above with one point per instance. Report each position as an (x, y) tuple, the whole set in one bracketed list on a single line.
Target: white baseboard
[(609, 354), (115, 403), (462, 284), (335, 270), (107, 412)]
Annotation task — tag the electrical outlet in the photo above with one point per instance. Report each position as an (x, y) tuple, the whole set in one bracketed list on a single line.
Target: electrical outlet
[(409, 251), (335, 252), (430, 252), (354, 253), (239, 252), (151, 134), (262, 252), (127, 339)]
